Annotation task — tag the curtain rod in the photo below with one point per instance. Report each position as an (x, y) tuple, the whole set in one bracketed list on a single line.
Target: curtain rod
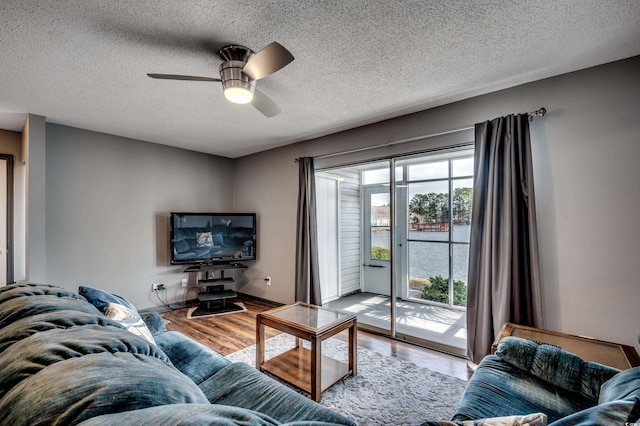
[(537, 113)]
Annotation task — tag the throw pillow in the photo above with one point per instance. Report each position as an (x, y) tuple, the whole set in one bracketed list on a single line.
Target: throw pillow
[(130, 319), (621, 386), (101, 299), (181, 246), (118, 309), (535, 419), (618, 412), (204, 239), (217, 239)]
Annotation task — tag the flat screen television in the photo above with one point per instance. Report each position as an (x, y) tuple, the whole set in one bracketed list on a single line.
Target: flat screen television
[(212, 237)]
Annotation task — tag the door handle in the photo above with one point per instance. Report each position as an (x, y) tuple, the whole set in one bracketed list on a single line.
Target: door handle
[(374, 266)]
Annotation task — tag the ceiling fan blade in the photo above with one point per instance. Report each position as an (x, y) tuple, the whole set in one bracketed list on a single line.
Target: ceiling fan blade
[(265, 105), (267, 61), (182, 77)]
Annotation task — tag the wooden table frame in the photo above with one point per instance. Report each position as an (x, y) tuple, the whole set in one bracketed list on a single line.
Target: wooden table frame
[(303, 367), (612, 354)]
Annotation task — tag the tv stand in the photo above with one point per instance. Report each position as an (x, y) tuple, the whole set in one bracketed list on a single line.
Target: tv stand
[(212, 295)]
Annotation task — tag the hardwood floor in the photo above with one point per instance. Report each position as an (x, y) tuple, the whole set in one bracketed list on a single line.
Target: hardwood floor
[(226, 334)]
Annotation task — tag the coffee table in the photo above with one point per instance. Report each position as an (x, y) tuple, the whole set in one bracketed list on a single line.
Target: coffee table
[(305, 368)]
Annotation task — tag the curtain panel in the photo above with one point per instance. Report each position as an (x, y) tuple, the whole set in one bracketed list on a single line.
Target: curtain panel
[(504, 277), (307, 271)]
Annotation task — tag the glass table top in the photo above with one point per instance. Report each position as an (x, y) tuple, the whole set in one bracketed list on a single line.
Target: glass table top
[(313, 317)]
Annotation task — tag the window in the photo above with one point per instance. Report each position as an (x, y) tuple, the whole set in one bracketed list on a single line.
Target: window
[(438, 196)]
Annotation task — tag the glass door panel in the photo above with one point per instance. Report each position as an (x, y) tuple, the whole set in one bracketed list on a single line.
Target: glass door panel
[(460, 261), (433, 203), (428, 266)]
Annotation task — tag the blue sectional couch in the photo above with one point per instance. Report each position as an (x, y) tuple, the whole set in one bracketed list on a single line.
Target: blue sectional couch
[(67, 360), (525, 378)]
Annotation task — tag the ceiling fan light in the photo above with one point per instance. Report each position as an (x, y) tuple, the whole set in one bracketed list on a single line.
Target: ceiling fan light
[(237, 86), (238, 95)]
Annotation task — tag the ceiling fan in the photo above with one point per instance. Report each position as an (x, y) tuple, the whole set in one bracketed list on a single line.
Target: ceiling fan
[(239, 71)]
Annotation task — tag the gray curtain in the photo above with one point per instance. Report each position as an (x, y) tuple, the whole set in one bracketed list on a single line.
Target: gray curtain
[(504, 276), (307, 273)]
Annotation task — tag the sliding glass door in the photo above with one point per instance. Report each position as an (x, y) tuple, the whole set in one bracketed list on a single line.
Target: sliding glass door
[(412, 242)]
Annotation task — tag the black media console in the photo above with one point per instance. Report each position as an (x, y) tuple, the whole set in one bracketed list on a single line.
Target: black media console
[(212, 294)]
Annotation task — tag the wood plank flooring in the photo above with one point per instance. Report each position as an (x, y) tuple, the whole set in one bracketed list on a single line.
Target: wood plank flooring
[(226, 334)]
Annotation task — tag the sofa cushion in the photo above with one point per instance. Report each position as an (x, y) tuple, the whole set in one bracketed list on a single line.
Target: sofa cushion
[(19, 290), (118, 309), (32, 354), (28, 326), (77, 389), (184, 414), (23, 307), (621, 386), (498, 388), (556, 366), (243, 386), (619, 412), (193, 359)]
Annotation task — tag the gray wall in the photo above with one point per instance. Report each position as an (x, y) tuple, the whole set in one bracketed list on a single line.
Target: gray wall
[(585, 153), (107, 209), (34, 154)]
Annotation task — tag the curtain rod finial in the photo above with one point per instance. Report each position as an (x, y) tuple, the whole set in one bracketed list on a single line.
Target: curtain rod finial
[(539, 113)]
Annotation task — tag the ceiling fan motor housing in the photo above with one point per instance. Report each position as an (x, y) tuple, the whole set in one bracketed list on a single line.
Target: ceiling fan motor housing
[(232, 76), (235, 58)]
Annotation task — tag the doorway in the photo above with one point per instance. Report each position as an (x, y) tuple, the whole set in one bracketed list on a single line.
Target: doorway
[(6, 219), (376, 225), (413, 238)]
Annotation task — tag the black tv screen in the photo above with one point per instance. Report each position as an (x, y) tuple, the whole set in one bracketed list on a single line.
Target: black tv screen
[(212, 237)]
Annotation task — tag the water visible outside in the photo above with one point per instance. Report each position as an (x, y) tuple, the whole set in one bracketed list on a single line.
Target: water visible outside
[(430, 259)]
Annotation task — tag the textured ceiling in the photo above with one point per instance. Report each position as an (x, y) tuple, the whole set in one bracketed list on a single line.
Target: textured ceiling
[(83, 63)]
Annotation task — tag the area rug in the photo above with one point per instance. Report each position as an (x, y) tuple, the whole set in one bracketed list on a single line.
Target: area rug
[(203, 312), (386, 391)]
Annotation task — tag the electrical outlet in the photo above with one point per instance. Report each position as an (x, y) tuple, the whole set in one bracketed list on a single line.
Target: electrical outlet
[(268, 280), (154, 286), (184, 282)]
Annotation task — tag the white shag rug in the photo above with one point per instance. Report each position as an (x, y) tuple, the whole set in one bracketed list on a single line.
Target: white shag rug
[(386, 391)]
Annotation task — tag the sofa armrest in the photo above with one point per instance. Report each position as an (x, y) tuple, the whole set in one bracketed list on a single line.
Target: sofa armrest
[(193, 359), (556, 366)]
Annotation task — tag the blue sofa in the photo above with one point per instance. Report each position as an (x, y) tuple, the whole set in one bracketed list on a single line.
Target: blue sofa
[(525, 377), (66, 359)]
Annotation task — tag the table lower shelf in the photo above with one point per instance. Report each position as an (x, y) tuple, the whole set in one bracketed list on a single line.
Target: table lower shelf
[(294, 366)]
